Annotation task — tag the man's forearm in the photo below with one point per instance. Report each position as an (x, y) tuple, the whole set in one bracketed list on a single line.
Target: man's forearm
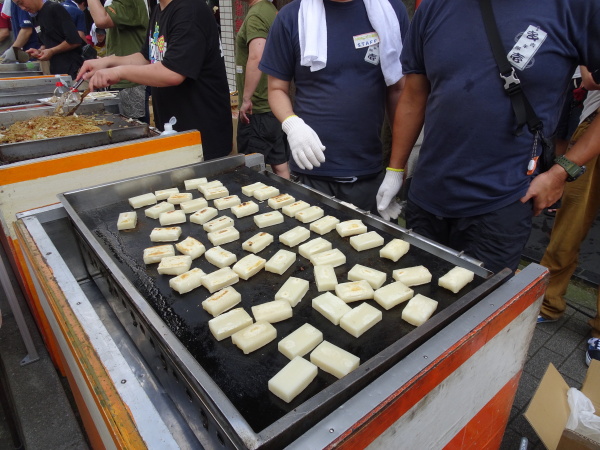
[(408, 119), (22, 37), (64, 46), (279, 98), (99, 14)]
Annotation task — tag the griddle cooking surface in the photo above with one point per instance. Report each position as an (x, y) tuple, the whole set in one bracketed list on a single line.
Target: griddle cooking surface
[(243, 378)]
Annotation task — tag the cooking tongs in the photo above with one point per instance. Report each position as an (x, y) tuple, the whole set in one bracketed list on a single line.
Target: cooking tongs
[(68, 95)]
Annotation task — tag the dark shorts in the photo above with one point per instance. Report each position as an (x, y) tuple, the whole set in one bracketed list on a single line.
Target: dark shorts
[(361, 193), (496, 238), (263, 135)]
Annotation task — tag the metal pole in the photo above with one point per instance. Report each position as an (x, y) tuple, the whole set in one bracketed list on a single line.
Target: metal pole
[(32, 354)]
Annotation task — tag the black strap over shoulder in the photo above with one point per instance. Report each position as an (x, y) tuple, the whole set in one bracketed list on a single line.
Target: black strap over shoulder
[(512, 85)]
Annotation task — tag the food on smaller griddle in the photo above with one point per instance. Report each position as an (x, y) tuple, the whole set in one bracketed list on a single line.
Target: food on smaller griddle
[(153, 255), (309, 214), (224, 236), (218, 224), (166, 234), (294, 236), (220, 257), (293, 379), (293, 290), (331, 307), (244, 209), (155, 211), (227, 202), (272, 312), (174, 265), (333, 257), (291, 209), (187, 281), (191, 247), (360, 319), (395, 249), (229, 323), (393, 294), (178, 198), (334, 360), (249, 266), (351, 227), (281, 200), (325, 277), (216, 192), (366, 241), (127, 220), (142, 200), (456, 279), (258, 242), (353, 291), (249, 189), (376, 278), (280, 262), (314, 246), (254, 336), (194, 205), (268, 219), (206, 186), (202, 216), (301, 341), (219, 279), (419, 309), (324, 225), (412, 276), (46, 127), (221, 301), (194, 183), (163, 194), (265, 192), (172, 217)]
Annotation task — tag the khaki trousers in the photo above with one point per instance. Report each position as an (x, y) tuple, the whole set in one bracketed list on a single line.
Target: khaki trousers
[(580, 205)]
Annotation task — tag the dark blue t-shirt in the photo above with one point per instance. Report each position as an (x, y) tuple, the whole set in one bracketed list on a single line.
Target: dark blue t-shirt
[(470, 161), (21, 19), (344, 102)]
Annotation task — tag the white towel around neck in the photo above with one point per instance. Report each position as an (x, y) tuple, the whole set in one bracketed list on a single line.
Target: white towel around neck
[(312, 32)]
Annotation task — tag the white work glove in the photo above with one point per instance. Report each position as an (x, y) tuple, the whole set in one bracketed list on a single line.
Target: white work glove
[(305, 145), (9, 56), (387, 206)]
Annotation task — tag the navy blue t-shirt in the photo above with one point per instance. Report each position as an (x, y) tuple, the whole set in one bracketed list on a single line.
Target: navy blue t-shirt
[(471, 162), (344, 102)]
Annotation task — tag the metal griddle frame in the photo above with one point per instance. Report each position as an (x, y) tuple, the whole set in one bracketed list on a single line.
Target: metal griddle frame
[(210, 414)]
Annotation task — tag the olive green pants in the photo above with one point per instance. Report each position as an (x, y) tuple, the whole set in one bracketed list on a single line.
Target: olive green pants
[(580, 205)]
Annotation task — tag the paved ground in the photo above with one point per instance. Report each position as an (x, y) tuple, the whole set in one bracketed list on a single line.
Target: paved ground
[(49, 421)]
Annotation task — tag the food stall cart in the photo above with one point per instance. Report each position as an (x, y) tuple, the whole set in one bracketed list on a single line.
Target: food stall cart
[(146, 372)]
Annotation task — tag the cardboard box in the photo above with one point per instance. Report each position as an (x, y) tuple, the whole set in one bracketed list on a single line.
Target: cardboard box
[(549, 409)]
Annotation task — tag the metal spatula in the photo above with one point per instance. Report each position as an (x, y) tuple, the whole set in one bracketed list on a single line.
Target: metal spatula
[(70, 94)]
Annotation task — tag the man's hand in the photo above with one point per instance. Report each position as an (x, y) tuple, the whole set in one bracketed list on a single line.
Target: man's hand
[(41, 55), (9, 56), (546, 188), (104, 77), (88, 71), (246, 110), (305, 145), (387, 206)]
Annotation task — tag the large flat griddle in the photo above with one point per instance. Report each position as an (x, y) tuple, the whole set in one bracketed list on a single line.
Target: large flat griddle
[(117, 129), (231, 385)]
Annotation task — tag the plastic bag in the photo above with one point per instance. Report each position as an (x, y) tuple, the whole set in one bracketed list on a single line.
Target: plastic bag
[(582, 419)]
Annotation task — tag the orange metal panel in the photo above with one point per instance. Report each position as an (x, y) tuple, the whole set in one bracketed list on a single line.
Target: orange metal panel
[(114, 412), (70, 162), (380, 419)]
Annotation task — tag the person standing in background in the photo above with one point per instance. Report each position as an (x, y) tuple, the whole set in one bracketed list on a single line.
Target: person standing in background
[(125, 22), (259, 131), (83, 6), (23, 32), (5, 40), (77, 16), (183, 62)]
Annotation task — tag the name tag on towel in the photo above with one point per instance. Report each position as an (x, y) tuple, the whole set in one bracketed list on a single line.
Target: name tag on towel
[(527, 45)]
